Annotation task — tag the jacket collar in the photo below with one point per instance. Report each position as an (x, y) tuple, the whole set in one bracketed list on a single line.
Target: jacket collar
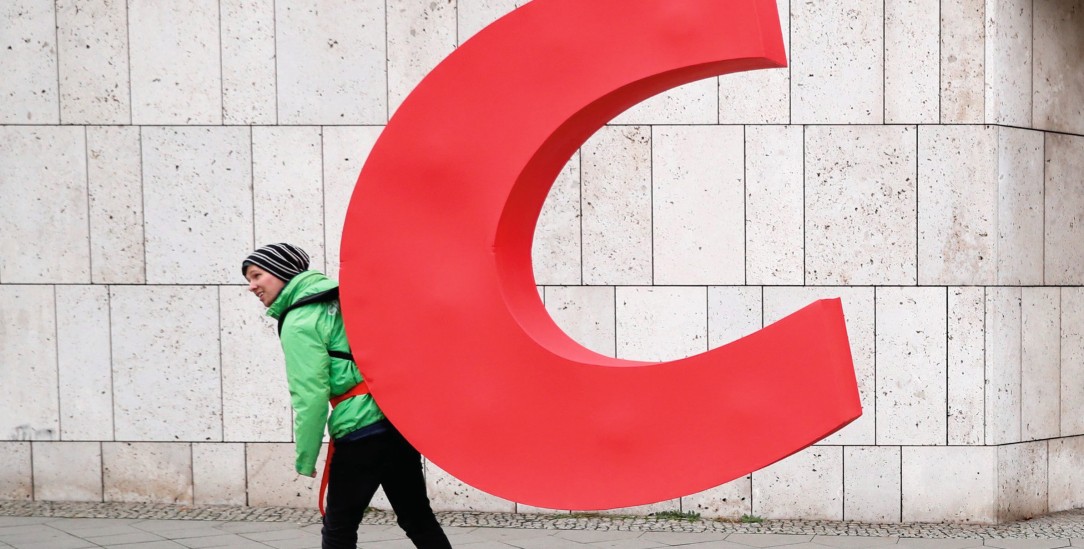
[(304, 284)]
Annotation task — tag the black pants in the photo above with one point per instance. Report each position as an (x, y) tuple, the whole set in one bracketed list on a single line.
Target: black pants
[(357, 469)]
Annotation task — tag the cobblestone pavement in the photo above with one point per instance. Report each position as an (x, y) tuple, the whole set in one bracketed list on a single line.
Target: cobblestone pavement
[(42, 525)]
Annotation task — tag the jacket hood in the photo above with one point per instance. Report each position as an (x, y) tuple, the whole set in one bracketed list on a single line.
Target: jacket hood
[(302, 285)]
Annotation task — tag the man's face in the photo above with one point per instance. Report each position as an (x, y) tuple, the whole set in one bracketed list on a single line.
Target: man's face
[(265, 285)]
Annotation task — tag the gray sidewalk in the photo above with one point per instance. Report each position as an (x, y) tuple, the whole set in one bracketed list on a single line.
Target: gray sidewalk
[(38, 525)]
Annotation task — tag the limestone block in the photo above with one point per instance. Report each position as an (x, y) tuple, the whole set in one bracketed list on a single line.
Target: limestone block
[(1040, 363), (697, 195), (15, 472), (332, 62), (84, 364), (731, 500), (28, 54), (966, 365), (858, 310), (616, 198), (643, 510), (421, 33), (762, 96), (166, 352), (447, 493), (218, 474), (1058, 97), (555, 251), (912, 82), (28, 378), (67, 471), (661, 323), (1066, 469), (860, 205), (958, 205), (287, 189), (474, 15), (272, 480), (693, 103), (837, 60), (586, 314), (808, 484), (949, 484), (1008, 62), (345, 152), (911, 368), (93, 53), (963, 61), (248, 62), (733, 312), (43, 182), (774, 205), (1064, 250), (255, 396), (1022, 481), (871, 483), (147, 472), (1072, 361), (176, 62), (1020, 207), (197, 189), (115, 187), (1003, 350)]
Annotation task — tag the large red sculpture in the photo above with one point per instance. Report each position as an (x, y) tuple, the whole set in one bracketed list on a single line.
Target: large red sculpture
[(440, 301)]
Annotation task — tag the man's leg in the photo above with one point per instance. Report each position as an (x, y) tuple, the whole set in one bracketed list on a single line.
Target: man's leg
[(404, 485), (355, 476)]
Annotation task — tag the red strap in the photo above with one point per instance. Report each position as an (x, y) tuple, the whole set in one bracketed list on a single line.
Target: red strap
[(357, 390)]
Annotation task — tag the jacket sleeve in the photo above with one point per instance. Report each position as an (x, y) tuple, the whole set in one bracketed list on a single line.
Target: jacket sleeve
[(307, 373)]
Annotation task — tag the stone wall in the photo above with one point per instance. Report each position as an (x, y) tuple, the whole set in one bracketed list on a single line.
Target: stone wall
[(923, 160)]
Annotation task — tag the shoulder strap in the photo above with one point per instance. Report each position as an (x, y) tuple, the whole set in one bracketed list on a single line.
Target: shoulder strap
[(326, 295)]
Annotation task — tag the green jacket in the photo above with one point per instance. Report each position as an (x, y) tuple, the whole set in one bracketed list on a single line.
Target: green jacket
[(308, 333)]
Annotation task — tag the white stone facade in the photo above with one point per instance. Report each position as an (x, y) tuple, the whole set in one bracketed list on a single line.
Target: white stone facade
[(923, 160)]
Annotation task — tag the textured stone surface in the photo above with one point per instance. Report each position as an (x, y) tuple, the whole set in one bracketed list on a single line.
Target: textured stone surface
[(115, 188), (762, 96), (661, 323), (871, 483), (1020, 207), (84, 363), (911, 369), (1066, 470), (67, 471), (731, 500), (808, 484), (248, 62), (693, 103), (1058, 96), (474, 15), (774, 205), (197, 190), (733, 312), (858, 310), (255, 396), (555, 251), (1022, 480), (331, 62), (953, 483), (911, 79), (697, 204), (421, 33), (272, 480), (93, 62), (616, 198), (15, 472), (1008, 62), (150, 472), (28, 378), (447, 492), (287, 189), (43, 170), (957, 205), (166, 350), (966, 365), (963, 61), (1040, 368), (1072, 361), (218, 474), (860, 205), (1064, 251), (28, 54), (345, 151), (176, 62), (1003, 350), (587, 314)]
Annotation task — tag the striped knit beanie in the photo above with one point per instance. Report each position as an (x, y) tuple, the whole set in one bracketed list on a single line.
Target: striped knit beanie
[(283, 260)]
